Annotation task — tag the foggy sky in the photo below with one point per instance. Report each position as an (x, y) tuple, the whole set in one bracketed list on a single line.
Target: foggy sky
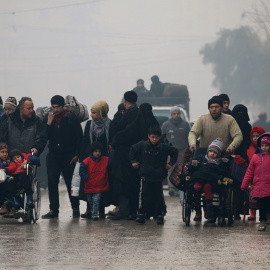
[(98, 49)]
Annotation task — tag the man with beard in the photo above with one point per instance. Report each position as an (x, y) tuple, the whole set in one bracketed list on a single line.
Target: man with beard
[(125, 179), (214, 125), (23, 129)]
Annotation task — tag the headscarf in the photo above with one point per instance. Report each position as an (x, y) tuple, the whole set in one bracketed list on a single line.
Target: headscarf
[(97, 128), (259, 130)]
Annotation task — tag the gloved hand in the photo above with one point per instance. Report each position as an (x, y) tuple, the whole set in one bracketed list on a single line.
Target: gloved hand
[(194, 163)]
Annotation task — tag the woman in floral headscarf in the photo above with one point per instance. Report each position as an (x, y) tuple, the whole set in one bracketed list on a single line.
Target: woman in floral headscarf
[(97, 129)]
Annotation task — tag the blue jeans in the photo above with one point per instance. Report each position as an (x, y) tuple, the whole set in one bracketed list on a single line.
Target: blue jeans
[(94, 199)]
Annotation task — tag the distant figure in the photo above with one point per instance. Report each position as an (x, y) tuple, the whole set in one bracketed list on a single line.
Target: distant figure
[(157, 87), (226, 104), (140, 89), (262, 121), (40, 112)]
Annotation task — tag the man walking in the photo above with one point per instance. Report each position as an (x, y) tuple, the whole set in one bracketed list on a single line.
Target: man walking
[(64, 134)]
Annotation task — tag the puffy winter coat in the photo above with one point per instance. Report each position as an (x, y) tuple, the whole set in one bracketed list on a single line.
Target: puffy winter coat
[(95, 174), (259, 171)]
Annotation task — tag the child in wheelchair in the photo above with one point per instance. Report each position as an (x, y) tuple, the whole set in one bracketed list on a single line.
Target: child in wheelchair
[(208, 174), (20, 179)]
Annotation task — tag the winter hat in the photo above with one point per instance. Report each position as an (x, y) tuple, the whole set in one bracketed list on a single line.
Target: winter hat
[(215, 99), (175, 108), (216, 146), (15, 152), (140, 81), (224, 97), (58, 100), (265, 140), (101, 108), (96, 146), (259, 130), (131, 96), (121, 107), (11, 102), (3, 146)]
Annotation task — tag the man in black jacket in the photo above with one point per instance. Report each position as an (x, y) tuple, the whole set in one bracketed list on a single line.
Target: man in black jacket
[(23, 130), (125, 180), (64, 134)]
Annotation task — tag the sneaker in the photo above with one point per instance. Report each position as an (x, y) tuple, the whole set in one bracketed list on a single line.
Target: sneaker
[(50, 214), (3, 210), (140, 219), (160, 220), (173, 192), (114, 212), (95, 217), (76, 212), (87, 214), (262, 226)]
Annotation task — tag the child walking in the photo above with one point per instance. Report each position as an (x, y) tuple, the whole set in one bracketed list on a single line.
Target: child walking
[(254, 135), (94, 173), (151, 159), (259, 171)]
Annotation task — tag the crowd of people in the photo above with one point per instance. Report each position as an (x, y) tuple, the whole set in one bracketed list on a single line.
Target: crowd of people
[(124, 161)]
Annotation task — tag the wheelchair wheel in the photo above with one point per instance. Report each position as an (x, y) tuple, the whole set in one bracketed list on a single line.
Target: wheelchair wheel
[(231, 206), (30, 216), (36, 199), (186, 212)]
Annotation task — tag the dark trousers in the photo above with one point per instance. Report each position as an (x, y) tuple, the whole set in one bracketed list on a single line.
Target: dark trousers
[(264, 207), (57, 164), (3, 192), (151, 194), (21, 180)]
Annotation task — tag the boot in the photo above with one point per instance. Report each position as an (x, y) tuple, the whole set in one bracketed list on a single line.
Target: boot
[(262, 226), (198, 216), (30, 202), (210, 212), (140, 219), (3, 210), (87, 214), (252, 216), (16, 203)]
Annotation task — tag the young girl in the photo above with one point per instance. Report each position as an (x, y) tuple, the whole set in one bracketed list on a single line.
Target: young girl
[(211, 168), (94, 172), (254, 135), (259, 171)]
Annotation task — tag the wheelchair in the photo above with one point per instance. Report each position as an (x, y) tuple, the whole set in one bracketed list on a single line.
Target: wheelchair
[(29, 215)]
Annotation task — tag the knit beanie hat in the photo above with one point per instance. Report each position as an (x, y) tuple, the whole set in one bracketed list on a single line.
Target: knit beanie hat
[(11, 102), (224, 97), (131, 96), (175, 108), (96, 146), (15, 152), (3, 146), (58, 100), (216, 146), (140, 81), (101, 108), (265, 140), (215, 99)]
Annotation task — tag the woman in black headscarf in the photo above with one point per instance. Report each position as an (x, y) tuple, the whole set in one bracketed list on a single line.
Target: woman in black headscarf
[(149, 119), (240, 114)]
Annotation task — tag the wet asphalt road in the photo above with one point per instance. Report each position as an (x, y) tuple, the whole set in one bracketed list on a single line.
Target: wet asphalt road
[(67, 243)]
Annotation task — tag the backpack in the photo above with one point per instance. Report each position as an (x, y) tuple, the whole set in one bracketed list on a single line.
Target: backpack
[(77, 108)]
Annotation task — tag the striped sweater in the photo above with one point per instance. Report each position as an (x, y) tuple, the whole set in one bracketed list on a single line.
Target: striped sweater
[(208, 129)]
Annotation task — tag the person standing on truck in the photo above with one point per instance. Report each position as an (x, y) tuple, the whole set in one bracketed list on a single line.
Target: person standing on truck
[(140, 89), (157, 87), (176, 130)]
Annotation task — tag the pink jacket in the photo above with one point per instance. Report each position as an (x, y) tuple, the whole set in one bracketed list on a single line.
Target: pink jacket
[(259, 171)]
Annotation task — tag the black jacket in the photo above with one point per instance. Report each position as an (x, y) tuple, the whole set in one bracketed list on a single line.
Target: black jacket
[(153, 159), (65, 138), (23, 135)]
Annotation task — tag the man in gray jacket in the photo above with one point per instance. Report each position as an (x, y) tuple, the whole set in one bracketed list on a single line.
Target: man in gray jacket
[(176, 130)]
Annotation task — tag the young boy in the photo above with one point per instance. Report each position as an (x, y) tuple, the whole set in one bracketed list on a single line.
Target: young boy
[(94, 172), (20, 177), (150, 157)]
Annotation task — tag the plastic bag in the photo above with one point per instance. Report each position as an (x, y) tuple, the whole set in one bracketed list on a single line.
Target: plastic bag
[(75, 182), (3, 176)]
